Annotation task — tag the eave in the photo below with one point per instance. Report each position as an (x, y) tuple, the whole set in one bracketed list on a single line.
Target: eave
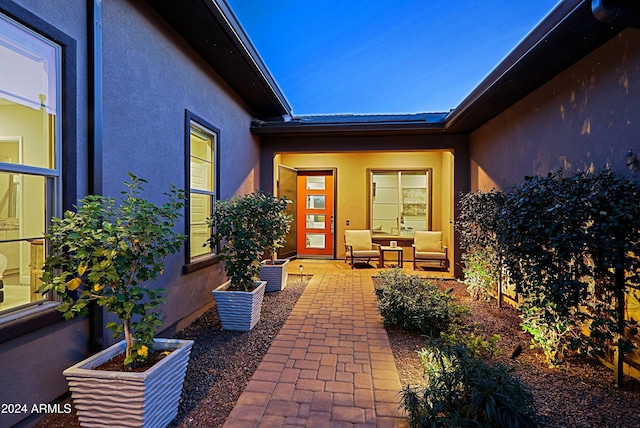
[(392, 124), (566, 35), (212, 30)]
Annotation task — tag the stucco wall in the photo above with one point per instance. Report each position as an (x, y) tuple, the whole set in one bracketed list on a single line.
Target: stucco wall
[(150, 77), (587, 117)]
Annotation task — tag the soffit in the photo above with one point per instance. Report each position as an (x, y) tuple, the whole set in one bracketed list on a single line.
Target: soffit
[(568, 34), (211, 29)]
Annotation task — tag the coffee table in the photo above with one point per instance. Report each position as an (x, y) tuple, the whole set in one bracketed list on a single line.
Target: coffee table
[(387, 249)]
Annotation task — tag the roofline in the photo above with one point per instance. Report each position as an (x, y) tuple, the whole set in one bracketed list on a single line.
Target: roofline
[(426, 123), (212, 30), (552, 21), (557, 27), (527, 67), (250, 52)]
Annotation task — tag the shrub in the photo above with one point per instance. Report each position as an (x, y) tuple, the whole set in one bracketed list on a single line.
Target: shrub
[(477, 345), (414, 304), (465, 391), (477, 225), (243, 227), (481, 269), (557, 337), (569, 241)]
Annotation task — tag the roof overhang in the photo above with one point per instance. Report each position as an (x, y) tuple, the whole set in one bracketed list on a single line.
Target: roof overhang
[(567, 34), (571, 31), (212, 30), (352, 124)]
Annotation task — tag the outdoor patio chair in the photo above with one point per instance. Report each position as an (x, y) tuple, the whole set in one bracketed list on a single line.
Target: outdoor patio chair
[(358, 245), (427, 246)]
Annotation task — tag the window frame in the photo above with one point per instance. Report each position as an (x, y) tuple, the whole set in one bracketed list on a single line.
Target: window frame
[(198, 262), (62, 178), (370, 190)]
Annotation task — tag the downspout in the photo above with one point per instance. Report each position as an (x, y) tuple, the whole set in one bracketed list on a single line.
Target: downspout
[(625, 13), (94, 30)]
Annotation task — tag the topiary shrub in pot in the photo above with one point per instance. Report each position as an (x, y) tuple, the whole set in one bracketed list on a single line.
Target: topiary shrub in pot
[(277, 225), (243, 227), (108, 252)]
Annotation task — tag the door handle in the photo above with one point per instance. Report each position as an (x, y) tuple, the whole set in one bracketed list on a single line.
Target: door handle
[(332, 224)]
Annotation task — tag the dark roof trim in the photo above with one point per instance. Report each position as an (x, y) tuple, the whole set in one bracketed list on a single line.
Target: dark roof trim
[(213, 31), (251, 53), (566, 35), (619, 12), (420, 123)]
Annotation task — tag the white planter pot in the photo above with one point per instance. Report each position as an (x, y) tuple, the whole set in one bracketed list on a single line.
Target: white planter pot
[(129, 399), (239, 310), (275, 275)]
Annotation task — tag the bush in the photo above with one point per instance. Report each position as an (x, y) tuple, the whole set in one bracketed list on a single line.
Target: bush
[(465, 391), (414, 304), (477, 225), (555, 335), (569, 242), (477, 345), (243, 227), (481, 269)]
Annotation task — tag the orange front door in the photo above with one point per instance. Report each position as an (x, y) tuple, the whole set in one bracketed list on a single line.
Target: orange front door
[(315, 214)]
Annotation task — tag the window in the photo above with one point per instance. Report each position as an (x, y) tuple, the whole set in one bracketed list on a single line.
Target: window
[(203, 183), (399, 201), (30, 161)]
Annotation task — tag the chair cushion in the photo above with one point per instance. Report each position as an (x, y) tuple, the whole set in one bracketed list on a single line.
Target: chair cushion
[(366, 253), (430, 241), (358, 239), (430, 255)]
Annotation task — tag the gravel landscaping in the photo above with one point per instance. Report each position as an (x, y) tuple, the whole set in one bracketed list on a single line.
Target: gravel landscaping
[(222, 362), (580, 394)]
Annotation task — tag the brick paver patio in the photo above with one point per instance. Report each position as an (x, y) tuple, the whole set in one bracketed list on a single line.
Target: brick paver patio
[(331, 364)]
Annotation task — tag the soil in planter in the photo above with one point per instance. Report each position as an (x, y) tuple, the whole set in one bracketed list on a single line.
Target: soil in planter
[(116, 364), (237, 288)]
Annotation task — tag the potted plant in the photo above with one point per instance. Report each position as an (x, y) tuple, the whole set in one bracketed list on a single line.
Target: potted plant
[(243, 227), (109, 252), (273, 270)]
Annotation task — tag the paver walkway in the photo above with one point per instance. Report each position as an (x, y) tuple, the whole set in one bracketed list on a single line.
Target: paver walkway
[(331, 364)]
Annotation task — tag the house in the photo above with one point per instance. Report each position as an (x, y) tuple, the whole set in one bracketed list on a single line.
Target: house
[(174, 92)]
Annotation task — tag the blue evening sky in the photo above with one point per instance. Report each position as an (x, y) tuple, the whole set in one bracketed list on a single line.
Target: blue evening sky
[(384, 56)]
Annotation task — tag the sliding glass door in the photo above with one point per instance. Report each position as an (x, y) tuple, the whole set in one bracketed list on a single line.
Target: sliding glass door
[(399, 201)]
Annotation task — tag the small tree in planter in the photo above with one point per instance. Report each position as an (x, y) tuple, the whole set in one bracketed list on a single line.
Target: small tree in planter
[(107, 252), (276, 225), (245, 226), (273, 270)]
